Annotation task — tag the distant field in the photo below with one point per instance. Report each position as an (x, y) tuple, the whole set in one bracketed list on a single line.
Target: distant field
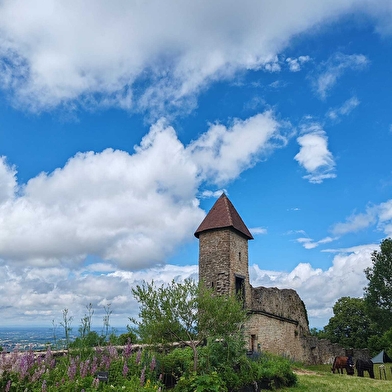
[(321, 379)]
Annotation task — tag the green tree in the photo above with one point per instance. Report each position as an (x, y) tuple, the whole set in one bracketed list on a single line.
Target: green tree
[(378, 293), (187, 313), (350, 326)]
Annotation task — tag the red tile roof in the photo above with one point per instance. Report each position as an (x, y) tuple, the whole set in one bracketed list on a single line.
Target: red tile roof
[(223, 215)]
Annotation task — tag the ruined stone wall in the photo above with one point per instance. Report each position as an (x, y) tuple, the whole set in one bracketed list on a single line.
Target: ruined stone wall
[(284, 303), (322, 351)]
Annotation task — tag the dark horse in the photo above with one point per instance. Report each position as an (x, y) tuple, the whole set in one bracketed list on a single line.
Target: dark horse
[(363, 365), (341, 363)]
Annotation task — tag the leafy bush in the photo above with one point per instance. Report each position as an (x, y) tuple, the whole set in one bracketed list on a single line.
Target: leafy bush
[(201, 383), (176, 363), (270, 369)]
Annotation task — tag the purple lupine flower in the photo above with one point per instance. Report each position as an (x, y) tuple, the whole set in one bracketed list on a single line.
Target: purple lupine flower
[(143, 376), (72, 370), (37, 374), (23, 367), (84, 367), (8, 386), (128, 349), (138, 356), (49, 357), (94, 366), (125, 369), (105, 362), (153, 363), (112, 352), (30, 357), (44, 388)]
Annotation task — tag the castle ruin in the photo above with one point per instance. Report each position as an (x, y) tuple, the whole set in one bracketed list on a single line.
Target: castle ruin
[(278, 321)]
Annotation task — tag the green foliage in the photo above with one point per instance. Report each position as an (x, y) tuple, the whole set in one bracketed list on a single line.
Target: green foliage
[(91, 339), (378, 293), (211, 382), (272, 371), (167, 313), (219, 354), (187, 313), (219, 316), (383, 342), (350, 326), (177, 362), (123, 339)]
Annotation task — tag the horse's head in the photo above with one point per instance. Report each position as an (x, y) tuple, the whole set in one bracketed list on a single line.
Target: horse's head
[(350, 369)]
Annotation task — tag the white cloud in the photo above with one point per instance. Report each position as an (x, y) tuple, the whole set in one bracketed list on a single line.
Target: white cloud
[(223, 153), (258, 230), (8, 184), (314, 155), (344, 110), (38, 295), (355, 223), (273, 65), (216, 194), (308, 243), (150, 55), (131, 209), (334, 68), (295, 64), (379, 215)]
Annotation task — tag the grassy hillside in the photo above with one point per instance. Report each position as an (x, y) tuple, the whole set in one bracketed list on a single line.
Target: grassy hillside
[(321, 379)]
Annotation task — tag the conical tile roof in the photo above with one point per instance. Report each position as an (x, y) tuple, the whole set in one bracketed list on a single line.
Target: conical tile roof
[(223, 215)]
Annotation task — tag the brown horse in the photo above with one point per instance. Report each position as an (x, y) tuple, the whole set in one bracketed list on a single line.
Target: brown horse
[(341, 363)]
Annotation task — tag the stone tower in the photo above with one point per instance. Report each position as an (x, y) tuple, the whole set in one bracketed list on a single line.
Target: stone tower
[(223, 251)]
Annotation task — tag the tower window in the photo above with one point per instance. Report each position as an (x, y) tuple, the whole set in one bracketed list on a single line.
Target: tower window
[(239, 256)]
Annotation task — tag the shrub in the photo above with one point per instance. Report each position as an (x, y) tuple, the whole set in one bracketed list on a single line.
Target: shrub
[(211, 382), (175, 364), (273, 370)]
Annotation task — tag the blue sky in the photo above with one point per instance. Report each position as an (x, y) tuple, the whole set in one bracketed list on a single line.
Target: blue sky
[(121, 124)]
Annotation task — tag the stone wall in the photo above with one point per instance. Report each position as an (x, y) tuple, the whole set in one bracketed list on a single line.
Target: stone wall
[(223, 257), (274, 335), (214, 262), (284, 303), (278, 324), (322, 351)]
